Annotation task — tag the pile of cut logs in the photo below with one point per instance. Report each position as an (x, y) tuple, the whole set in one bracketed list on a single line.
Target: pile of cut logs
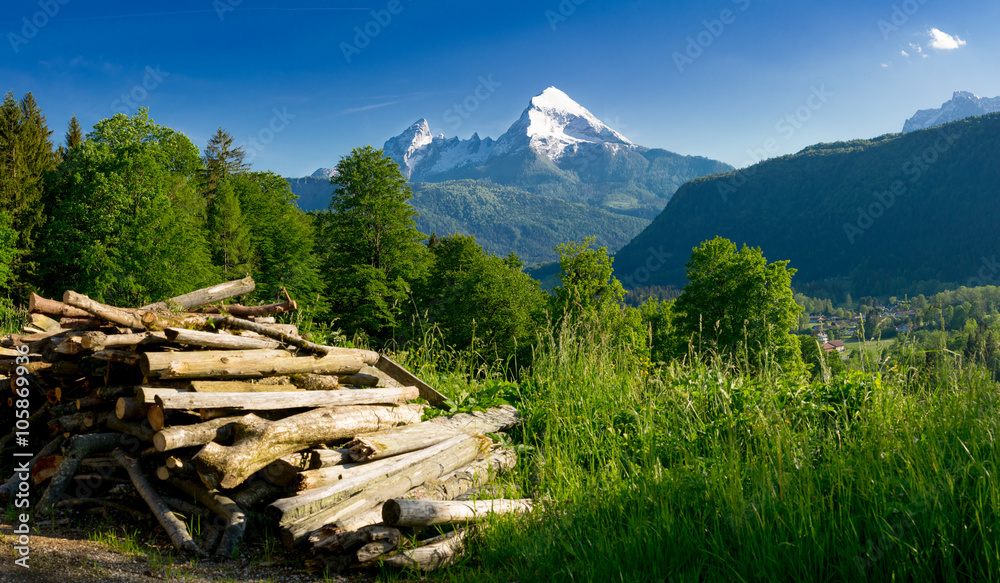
[(205, 411)]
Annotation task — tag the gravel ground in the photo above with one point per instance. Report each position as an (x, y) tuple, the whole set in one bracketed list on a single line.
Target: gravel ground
[(65, 554)]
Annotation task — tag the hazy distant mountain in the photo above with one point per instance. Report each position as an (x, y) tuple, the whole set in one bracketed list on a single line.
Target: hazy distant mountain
[(898, 213), (962, 104)]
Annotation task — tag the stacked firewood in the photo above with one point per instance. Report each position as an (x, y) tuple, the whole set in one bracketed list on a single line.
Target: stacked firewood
[(210, 411)]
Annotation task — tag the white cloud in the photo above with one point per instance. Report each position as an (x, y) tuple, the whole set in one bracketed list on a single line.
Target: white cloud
[(943, 41), (904, 53), (885, 65)]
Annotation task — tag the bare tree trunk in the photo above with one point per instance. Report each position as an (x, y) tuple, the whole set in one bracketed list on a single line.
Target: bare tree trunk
[(421, 513), (236, 520), (215, 340), (208, 295), (154, 364), (176, 530), (260, 442), (435, 553), (127, 318), (40, 305), (199, 434), (405, 377), (80, 447), (287, 399)]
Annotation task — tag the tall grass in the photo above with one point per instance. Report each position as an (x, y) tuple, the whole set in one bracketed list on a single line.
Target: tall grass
[(11, 317), (693, 472)]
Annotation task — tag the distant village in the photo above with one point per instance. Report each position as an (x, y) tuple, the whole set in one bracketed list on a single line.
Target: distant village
[(834, 332)]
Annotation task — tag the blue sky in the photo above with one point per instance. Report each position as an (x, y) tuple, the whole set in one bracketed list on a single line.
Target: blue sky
[(716, 78)]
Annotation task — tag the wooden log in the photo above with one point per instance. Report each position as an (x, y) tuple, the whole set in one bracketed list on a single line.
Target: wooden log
[(250, 311), (80, 447), (97, 340), (463, 480), (39, 305), (368, 356), (218, 368), (204, 296), (140, 430), (405, 377), (21, 473), (176, 530), (147, 394), (283, 470), (76, 423), (45, 323), (286, 399), (421, 513), (90, 403), (316, 382), (311, 510), (154, 364), (239, 387), (420, 435), (191, 435), (381, 540), (215, 340), (259, 442), (359, 380), (127, 318), (113, 355), (113, 393), (129, 408), (258, 492), (236, 520), (435, 553)]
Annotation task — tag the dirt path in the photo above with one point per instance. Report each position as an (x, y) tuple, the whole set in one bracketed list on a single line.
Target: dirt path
[(65, 554)]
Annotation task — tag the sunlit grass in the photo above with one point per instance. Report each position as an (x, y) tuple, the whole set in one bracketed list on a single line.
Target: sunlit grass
[(693, 472)]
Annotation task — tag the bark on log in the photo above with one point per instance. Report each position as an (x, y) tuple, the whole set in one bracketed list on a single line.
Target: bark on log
[(316, 382), (90, 403), (286, 399), (239, 387), (421, 513), (215, 340), (147, 394), (208, 295), (465, 479), (40, 305), (96, 340), (236, 520), (274, 333), (140, 430), (283, 471), (250, 311), (154, 364), (258, 492), (359, 380), (313, 509), (420, 435), (76, 423), (127, 318), (199, 434), (259, 442), (217, 368), (405, 377), (128, 408), (381, 540), (112, 355), (176, 529), (79, 448), (435, 553)]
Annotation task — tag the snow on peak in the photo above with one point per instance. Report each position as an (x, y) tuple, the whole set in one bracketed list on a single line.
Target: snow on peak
[(554, 124), (406, 148), (961, 105)]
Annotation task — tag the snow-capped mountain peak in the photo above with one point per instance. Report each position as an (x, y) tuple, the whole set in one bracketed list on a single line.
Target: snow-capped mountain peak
[(554, 124), (407, 147), (962, 104)]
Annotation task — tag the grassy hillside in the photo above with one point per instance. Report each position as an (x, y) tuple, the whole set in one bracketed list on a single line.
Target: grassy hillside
[(897, 213)]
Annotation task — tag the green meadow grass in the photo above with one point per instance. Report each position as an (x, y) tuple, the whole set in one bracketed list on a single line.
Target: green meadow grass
[(694, 472)]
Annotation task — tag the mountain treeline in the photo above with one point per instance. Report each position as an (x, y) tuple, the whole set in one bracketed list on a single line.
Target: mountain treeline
[(900, 213)]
